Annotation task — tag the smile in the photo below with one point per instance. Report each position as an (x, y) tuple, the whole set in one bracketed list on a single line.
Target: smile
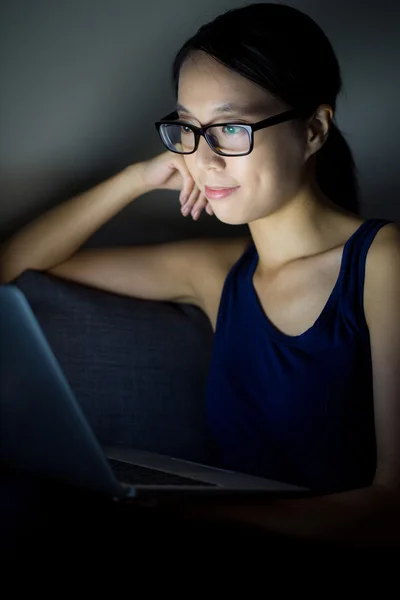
[(216, 193)]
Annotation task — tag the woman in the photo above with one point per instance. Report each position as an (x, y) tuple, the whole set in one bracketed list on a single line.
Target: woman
[(304, 380)]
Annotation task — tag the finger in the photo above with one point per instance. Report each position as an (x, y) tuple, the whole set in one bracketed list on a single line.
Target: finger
[(187, 180), (187, 207), (187, 190), (209, 209), (199, 206)]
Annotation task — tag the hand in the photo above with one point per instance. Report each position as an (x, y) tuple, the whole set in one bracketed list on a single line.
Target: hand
[(168, 171)]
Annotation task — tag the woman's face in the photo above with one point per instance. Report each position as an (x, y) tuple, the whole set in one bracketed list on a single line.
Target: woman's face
[(267, 178)]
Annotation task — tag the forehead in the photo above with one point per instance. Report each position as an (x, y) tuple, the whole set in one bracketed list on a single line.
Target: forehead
[(204, 83)]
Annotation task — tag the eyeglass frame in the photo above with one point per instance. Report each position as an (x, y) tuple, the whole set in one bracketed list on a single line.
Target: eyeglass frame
[(250, 127)]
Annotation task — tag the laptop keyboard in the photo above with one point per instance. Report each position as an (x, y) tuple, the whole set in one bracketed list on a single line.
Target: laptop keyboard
[(138, 475)]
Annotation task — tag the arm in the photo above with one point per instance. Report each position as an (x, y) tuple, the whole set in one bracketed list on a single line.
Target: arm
[(177, 271), (369, 515), (154, 272), (54, 236)]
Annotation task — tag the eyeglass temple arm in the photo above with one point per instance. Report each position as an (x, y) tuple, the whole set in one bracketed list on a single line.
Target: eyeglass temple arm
[(281, 118)]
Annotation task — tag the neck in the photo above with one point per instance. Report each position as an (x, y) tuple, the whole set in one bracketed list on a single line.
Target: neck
[(307, 225)]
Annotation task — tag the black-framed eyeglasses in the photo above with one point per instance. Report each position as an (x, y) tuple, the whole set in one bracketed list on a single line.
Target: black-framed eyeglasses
[(225, 139)]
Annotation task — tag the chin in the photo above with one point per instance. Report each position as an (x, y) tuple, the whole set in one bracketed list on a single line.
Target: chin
[(231, 219)]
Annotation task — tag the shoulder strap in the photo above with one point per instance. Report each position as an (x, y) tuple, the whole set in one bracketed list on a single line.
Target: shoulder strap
[(354, 259)]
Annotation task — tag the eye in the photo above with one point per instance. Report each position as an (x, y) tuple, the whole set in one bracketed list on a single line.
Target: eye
[(232, 129), (186, 129)]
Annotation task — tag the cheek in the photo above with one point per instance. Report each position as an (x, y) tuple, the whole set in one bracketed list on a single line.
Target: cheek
[(259, 168), (268, 172), (274, 161), (290, 153)]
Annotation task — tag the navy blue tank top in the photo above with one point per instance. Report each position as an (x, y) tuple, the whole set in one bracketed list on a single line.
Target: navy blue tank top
[(297, 409)]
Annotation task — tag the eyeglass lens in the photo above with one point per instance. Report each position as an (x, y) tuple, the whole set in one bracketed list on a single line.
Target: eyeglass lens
[(228, 139)]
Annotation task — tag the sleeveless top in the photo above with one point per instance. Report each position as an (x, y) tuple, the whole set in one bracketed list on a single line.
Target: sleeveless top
[(297, 409)]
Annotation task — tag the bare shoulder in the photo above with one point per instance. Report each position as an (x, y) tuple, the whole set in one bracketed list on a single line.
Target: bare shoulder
[(385, 247), (212, 261), (382, 268)]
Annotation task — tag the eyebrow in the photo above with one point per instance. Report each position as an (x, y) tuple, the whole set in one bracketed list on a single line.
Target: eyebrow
[(229, 107)]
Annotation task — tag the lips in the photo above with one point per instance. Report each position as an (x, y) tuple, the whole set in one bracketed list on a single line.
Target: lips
[(214, 193)]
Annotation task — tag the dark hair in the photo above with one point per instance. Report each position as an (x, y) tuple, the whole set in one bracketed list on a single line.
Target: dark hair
[(285, 52)]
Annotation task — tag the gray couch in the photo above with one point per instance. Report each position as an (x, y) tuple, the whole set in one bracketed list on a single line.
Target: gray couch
[(138, 368)]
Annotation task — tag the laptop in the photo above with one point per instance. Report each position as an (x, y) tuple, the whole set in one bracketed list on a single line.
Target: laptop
[(44, 431)]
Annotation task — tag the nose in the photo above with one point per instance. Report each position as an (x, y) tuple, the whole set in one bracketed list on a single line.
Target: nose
[(206, 158)]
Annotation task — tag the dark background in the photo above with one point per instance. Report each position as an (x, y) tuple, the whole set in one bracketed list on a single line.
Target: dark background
[(82, 82)]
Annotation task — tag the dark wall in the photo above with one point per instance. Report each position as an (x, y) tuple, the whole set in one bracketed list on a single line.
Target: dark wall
[(83, 80)]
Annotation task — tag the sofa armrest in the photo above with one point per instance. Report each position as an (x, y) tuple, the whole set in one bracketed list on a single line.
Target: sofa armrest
[(138, 368)]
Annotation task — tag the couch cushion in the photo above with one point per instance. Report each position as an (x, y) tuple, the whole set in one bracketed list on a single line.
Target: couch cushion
[(137, 367)]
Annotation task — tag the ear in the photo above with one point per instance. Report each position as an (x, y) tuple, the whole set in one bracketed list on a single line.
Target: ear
[(318, 129)]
